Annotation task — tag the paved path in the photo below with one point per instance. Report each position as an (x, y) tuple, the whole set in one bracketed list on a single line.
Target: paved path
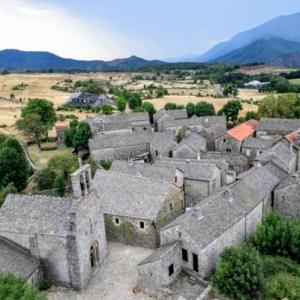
[(115, 279)]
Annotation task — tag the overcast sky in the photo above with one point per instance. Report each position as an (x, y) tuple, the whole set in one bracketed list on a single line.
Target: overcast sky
[(107, 29)]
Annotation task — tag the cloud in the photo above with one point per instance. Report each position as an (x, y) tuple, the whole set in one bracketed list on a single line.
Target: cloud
[(31, 25)]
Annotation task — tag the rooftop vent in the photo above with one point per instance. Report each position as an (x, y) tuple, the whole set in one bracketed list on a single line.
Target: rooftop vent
[(197, 215), (228, 195), (295, 175)]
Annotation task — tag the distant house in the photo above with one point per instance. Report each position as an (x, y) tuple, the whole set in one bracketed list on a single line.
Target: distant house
[(232, 140), (255, 84), (85, 99), (276, 127)]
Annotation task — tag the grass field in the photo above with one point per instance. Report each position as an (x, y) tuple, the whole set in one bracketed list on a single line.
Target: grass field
[(39, 86)]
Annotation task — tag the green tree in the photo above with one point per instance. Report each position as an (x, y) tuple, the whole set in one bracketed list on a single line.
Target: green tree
[(107, 109), (170, 106), (12, 288), (134, 100), (190, 109), (150, 109), (70, 132), (32, 127), (14, 167), (63, 164), (45, 179), (204, 108), (121, 104), (239, 273), (278, 236), (231, 110), (161, 91), (44, 109), (9, 189), (230, 90), (59, 185)]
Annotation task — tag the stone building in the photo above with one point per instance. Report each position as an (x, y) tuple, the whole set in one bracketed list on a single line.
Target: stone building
[(121, 123), (287, 196), (194, 240), (85, 99), (136, 207), (253, 147), (65, 236), (283, 155), (200, 179), (163, 115), (191, 147), (275, 127), (232, 140), (162, 144)]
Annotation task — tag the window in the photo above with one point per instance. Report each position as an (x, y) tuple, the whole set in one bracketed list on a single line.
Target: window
[(132, 129), (185, 256), (170, 154), (117, 221), (171, 206), (228, 150), (171, 270), (175, 179), (145, 128), (248, 152), (142, 225), (224, 140), (156, 152)]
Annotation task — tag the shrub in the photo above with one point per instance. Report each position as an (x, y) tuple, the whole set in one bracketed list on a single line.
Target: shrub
[(45, 179), (278, 236), (239, 273), (107, 109), (59, 185), (273, 265), (10, 189), (204, 108), (13, 288), (106, 164), (282, 286), (170, 106), (190, 108)]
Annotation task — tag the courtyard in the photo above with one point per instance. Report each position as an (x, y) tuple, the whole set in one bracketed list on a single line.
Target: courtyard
[(115, 280)]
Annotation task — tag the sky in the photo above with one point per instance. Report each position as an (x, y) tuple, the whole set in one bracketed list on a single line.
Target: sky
[(152, 29)]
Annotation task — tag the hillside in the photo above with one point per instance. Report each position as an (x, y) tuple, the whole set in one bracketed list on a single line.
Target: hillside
[(283, 27), (38, 61), (272, 51)]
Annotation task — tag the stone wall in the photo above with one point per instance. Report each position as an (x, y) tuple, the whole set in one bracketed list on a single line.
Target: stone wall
[(287, 200), (153, 276), (226, 143)]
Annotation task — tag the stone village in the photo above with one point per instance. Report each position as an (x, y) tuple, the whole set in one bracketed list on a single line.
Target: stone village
[(186, 200)]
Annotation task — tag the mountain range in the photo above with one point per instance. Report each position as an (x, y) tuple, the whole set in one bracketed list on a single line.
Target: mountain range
[(12, 59), (274, 42)]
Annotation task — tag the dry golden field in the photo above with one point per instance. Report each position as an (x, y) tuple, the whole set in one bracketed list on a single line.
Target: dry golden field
[(254, 70), (39, 86)]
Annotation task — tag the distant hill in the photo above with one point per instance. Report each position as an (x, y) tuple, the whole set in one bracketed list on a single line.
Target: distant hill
[(283, 27), (272, 51), (12, 59)]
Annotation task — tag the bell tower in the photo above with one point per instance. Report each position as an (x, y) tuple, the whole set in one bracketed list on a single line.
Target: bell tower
[(81, 180)]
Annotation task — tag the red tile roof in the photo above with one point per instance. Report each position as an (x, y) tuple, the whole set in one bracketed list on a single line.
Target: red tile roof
[(243, 131), (291, 137)]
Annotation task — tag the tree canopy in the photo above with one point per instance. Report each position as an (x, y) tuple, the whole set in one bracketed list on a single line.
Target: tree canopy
[(150, 109), (121, 104), (204, 108), (190, 109), (134, 100), (14, 167), (231, 110)]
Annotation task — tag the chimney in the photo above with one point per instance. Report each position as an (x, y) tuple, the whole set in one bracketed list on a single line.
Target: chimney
[(228, 195), (198, 156)]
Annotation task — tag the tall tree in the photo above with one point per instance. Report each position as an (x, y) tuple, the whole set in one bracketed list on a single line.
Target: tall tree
[(32, 127), (149, 107), (44, 109), (14, 167), (121, 104), (231, 110), (204, 108), (134, 100), (190, 109)]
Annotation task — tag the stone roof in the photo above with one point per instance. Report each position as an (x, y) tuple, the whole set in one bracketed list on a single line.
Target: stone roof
[(16, 260), (261, 180), (102, 141), (257, 143), (35, 214), (284, 126), (289, 180), (144, 169), (158, 253), (234, 160), (88, 99), (279, 154), (217, 213), (162, 141), (194, 141), (131, 196), (243, 131), (194, 171), (172, 113)]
